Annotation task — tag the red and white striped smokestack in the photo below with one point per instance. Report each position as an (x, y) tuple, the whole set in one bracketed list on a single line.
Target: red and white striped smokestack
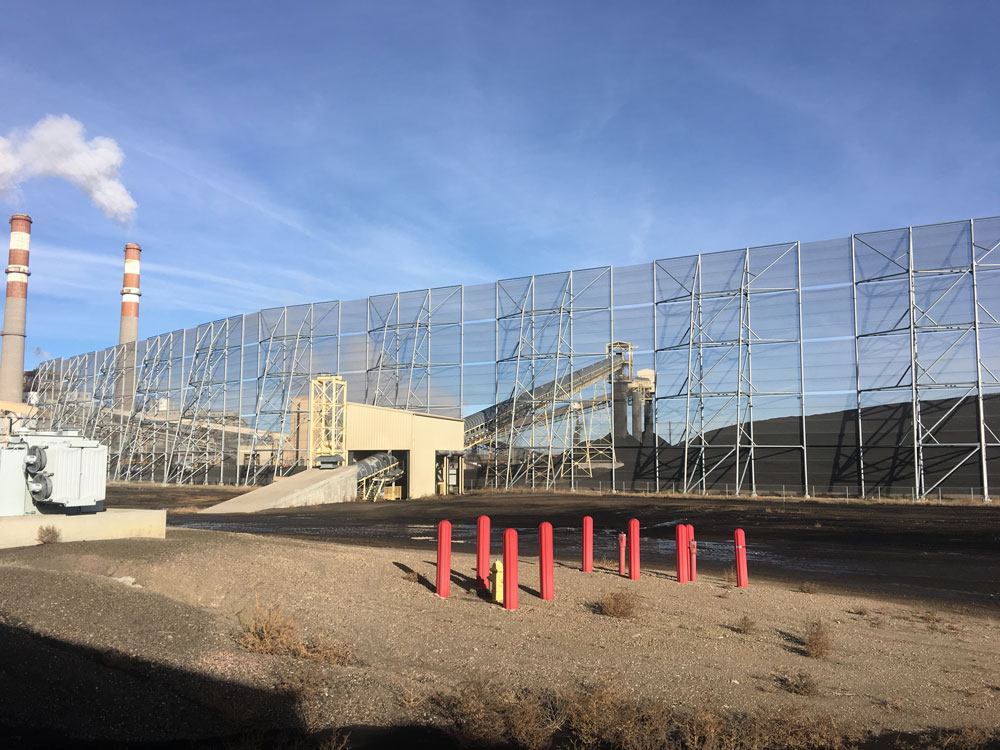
[(12, 350), (129, 328)]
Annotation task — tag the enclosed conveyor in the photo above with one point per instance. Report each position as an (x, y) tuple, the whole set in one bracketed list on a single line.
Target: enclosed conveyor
[(374, 472), (481, 425)]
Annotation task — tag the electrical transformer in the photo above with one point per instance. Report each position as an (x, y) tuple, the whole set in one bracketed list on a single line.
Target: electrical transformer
[(52, 472)]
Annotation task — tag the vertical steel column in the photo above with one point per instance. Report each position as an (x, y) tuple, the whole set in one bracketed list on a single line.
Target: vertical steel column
[(857, 373), (461, 356), (653, 400), (802, 370), (239, 398), (918, 469), (571, 442), (744, 300), (495, 448), (690, 372), (752, 466), (611, 339), (983, 463)]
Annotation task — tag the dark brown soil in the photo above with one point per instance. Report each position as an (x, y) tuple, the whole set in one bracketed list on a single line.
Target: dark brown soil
[(167, 496)]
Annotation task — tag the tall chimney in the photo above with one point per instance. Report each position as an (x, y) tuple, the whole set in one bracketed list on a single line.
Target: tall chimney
[(12, 351), (128, 330)]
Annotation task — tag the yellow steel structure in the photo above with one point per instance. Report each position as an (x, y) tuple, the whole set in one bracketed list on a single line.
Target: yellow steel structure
[(327, 406)]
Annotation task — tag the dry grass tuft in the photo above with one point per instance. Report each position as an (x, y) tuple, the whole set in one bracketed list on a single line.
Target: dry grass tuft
[(605, 563), (620, 604), (801, 684), (888, 705), (412, 576), (746, 625), (729, 575), (184, 510), (809, 587), (48, 535), (817, 641), (268, 630), (329, 652)]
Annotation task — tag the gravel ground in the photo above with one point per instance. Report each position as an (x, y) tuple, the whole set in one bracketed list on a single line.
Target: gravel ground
[(134, 640)]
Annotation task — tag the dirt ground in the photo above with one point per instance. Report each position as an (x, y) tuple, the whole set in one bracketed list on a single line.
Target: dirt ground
[(120, 641), (940, 554)]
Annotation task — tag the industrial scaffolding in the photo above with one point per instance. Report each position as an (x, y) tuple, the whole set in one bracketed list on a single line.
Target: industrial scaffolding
[(867, 364)]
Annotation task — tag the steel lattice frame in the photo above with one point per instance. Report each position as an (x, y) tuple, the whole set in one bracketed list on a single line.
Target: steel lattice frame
[(224, 402), (710, 347)]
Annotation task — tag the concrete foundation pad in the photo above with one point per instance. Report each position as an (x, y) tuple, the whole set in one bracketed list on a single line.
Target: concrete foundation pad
[(22, 531), (312, 487)]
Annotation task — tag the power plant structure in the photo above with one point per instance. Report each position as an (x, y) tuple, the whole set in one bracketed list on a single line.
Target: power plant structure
[(14, 311), (866, 365)]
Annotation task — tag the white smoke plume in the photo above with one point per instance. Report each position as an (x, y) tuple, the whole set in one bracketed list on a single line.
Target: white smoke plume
[(56, 147)]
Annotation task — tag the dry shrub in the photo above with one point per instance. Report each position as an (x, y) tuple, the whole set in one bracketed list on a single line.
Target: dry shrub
[(589, 711), (268, 630), (329, 652), (817, 641), (801, 684), (484, 715), (600, 716), (48, 534), (729, 575), (409, 694), (621, 604), (965, 738), (809, 587), (746, 625), (605, 563)]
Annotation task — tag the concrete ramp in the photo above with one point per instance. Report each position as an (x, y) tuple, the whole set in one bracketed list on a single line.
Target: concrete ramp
[(311, 487)]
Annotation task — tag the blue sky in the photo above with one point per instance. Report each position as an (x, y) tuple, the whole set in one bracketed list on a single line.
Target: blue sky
[(303, 151)]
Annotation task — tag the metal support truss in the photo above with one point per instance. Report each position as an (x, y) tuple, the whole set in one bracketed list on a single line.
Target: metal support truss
[(144, 454), (721, 343), (551, 428), (401, 329), (942, 322), (284, 354), (327, 404), (917, 407)]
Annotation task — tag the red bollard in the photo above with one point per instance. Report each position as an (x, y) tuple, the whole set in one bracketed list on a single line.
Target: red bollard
[(545, 564), (444, 559), (510, 569), (588, 544), (621, 554), (483, 551), (692, 554), (683, 557), (741, 560), (633, 549)]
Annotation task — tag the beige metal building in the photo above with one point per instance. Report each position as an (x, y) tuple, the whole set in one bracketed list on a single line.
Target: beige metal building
[(428, 445)]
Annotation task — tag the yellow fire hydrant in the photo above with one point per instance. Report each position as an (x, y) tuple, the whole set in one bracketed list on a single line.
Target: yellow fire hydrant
[(496, 581)]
